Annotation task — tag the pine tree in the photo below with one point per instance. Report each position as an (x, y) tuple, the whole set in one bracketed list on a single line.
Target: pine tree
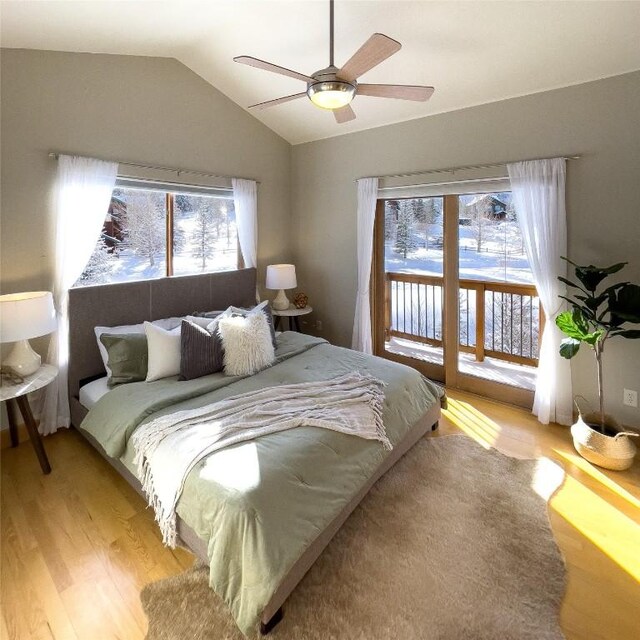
[(98, 268), (405, 242), (390, 219), (203, 235), (210, 214)]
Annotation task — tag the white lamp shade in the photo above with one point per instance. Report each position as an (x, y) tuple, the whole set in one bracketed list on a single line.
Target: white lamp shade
[(281, 276), (26, 315)]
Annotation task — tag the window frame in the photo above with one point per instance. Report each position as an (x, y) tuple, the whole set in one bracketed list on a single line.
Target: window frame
[(170, 191)]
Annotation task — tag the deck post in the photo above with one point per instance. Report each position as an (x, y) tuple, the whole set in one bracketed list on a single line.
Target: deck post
[(480, 323), (387, 307)]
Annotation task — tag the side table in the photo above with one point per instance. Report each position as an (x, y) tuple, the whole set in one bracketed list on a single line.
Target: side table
[(15, 395), (292, 313)]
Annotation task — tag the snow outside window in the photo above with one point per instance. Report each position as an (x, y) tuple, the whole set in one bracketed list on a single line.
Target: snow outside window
[(145, 226)]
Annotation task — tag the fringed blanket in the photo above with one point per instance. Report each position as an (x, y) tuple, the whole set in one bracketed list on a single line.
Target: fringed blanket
[(168, 447)]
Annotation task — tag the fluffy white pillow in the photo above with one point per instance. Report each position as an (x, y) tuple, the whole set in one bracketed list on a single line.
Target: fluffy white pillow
[(247, 343), (164, 352)]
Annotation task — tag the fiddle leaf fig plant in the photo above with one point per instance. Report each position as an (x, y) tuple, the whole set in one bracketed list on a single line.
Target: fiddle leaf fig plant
[(598, 315)]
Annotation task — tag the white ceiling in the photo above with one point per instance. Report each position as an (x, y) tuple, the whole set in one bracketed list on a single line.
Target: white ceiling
[(472, 52)]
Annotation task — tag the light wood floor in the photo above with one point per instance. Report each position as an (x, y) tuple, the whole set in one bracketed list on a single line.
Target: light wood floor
[(78, 545)]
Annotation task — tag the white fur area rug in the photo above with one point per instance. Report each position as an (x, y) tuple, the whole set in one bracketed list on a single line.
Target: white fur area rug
[(453, 543)]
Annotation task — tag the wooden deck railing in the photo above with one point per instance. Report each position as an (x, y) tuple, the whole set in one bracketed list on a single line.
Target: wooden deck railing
[(497, 319)]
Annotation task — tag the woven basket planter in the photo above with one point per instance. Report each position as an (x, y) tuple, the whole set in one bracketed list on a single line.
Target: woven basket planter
[(611, 452)]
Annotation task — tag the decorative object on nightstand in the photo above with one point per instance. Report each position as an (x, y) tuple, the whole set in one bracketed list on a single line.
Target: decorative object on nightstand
[(300, 300), (24, 316), (293, 316), (281, 277), (15, 395)]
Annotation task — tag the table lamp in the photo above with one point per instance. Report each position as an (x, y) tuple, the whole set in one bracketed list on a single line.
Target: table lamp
[(24, 316), (281, 277)]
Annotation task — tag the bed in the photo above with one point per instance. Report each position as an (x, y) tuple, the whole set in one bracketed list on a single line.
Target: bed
[(258, 513)]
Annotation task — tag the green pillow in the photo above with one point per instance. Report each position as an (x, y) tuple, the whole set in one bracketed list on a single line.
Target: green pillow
[(128, 357)]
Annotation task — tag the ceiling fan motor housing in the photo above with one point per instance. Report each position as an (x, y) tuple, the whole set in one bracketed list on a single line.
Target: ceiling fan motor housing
[(328, 91)]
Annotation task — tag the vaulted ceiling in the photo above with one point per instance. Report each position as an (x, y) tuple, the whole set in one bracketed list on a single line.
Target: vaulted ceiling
[(472, 52)]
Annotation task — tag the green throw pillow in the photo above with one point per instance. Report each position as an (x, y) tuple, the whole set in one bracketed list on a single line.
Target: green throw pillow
[(128, 356)]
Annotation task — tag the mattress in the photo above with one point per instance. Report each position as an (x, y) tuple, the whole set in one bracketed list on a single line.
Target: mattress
[(91, 392)]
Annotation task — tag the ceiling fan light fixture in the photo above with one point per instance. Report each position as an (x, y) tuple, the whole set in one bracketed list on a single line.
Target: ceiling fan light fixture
[(331, 94)]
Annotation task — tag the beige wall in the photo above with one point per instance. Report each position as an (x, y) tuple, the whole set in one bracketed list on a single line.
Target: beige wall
[(599, 120), (149, 110)]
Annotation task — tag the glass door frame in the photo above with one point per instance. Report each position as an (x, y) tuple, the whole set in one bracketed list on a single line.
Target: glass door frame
[(449, 372)]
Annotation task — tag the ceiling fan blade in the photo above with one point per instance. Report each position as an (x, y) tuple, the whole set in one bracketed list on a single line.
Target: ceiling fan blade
[(344, 114), (376, 49), (273, 103), (274, 68), (398, 91)]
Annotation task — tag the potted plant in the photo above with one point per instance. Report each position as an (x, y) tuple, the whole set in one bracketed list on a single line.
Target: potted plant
[(596, 316)]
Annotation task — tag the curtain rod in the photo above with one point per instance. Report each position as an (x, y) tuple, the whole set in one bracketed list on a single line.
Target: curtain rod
[(494, 165), (178, 172)]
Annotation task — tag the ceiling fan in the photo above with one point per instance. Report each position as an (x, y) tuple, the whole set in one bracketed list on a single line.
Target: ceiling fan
[(334, 88)]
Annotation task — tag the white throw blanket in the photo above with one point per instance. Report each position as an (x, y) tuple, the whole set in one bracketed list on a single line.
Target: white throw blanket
[(167, 448)]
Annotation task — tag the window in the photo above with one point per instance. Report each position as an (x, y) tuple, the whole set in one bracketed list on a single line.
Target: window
[(151, 232), (490, 241)]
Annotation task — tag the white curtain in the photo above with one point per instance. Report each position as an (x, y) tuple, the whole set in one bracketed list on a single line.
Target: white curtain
[(83, 193), (245, 201), (538, 188), (366, 215)]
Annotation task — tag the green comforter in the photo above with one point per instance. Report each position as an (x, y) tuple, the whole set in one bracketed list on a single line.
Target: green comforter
[(258, 505)]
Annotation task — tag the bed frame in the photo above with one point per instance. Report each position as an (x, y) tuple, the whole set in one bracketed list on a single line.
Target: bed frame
[(134, 302)]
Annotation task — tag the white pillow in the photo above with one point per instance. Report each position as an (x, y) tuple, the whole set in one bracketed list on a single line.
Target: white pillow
[(164, 352), (165, 323), (247, 343)]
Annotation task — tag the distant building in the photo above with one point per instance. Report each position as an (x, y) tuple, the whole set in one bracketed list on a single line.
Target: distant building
[(112, 231), (493, 207)]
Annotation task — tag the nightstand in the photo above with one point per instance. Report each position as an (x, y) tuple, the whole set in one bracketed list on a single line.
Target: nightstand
[(15, 395), (292, 313)]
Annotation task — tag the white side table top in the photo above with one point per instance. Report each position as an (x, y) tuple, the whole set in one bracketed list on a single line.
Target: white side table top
[(292, 311), (41, 378)]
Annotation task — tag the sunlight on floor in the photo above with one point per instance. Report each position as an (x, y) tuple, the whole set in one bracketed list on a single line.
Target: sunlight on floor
[(547, 478), (474, 423), (598, 476), (601, 523)]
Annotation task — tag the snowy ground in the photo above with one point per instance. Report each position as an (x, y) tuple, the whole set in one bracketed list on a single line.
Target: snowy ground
[(501, 258), (510, 373), (417, 309), (126, 266)]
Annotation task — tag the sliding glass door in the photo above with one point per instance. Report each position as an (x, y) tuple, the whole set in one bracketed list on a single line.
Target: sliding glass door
[(453, 294), (411, 260)]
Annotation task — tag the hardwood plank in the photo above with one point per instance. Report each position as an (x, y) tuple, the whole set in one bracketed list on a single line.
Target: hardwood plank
[(56, 619), (40, 527)]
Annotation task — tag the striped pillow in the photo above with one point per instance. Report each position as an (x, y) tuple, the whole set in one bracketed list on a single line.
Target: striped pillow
[(201, 351)]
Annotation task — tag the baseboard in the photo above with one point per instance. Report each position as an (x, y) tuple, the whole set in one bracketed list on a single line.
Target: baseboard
[(5, 438)]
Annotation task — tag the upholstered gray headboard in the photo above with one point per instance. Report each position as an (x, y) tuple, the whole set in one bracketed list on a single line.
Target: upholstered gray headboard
[(135, 302)]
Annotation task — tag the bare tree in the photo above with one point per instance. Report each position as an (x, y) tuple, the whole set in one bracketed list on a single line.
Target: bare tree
[(146, 220), (479, 211)]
